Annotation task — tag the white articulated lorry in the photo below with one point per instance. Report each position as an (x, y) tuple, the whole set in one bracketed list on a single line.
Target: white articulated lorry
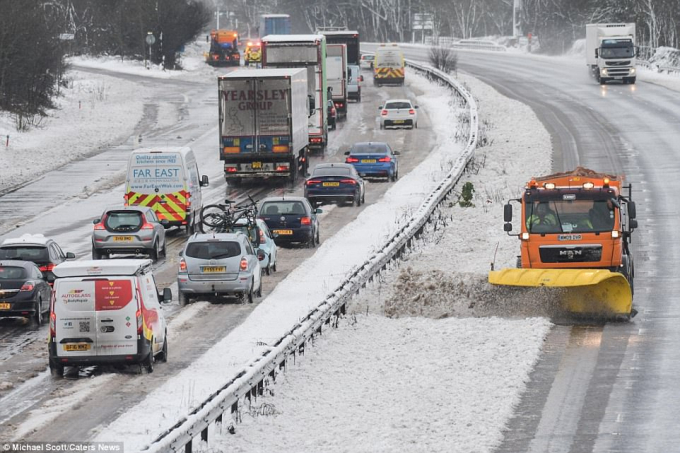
[(263, 123), (611, 51)]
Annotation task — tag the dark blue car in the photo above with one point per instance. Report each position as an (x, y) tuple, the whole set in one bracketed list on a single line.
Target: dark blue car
[(336, 182), (290, 219), (374, 159), (24, 291)]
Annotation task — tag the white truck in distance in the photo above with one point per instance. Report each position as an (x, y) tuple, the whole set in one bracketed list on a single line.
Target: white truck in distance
[(263, 123), (611, 51), (336, 74)]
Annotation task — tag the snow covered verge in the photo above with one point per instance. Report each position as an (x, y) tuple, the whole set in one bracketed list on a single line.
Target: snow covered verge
[(444, 369)]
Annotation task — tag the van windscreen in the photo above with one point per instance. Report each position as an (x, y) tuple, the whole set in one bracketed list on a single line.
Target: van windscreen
[(213, 250)]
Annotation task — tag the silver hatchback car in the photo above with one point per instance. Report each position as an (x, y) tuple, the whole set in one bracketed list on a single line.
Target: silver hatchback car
[(217, 265), (128, 230)]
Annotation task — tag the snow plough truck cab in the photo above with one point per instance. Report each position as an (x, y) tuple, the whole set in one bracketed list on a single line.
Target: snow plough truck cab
[(575, 230)]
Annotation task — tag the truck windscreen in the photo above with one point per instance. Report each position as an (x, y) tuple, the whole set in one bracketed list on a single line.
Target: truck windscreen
[(617, 49), (570, 216)]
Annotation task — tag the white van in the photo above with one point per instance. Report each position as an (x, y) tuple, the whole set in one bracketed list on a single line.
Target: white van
[(166, 179), (106, 312)]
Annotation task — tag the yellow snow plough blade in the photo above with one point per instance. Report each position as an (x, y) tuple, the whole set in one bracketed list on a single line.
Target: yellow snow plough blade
[(587, 291)]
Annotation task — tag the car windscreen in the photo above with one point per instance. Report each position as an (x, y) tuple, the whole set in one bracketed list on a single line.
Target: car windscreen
[(38, 255), (123, 221), (213, 250), (283, 208), (331, 171), (368, 148), (397, 105), (12, 273)]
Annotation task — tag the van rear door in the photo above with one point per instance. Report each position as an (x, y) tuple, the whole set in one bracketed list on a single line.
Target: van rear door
[(117, 313), (75, 324), (157, 179)]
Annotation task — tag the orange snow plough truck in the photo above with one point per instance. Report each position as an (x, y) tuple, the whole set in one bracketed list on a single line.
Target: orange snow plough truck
[(575, 230)]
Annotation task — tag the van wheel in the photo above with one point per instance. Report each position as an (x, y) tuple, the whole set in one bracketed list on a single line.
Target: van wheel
[(164, 351), (259, 290), (164, 250), (56, 369), (150, 359), (38, 317)]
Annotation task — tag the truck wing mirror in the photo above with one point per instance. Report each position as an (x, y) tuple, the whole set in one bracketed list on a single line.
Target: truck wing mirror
[(507, 213), (596, 53), (632, 212), (507, 227), (204, 181), (70, 255), (167, 295), (632, 224)]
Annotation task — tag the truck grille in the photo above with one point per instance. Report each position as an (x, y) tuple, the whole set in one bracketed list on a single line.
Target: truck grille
[(562, 254), (618, 63)]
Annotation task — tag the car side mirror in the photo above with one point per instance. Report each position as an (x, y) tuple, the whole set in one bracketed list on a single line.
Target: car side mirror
[(507, 213), (96, 221), (415, 106), (318, 211), (181, 252), (70, 255), (361, 78), (396, 153), (167, 295), (260, 254), (346, 153), (380, 108), (204, 181)]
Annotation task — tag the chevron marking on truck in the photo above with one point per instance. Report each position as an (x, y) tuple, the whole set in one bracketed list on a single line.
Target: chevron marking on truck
[(171, 206)]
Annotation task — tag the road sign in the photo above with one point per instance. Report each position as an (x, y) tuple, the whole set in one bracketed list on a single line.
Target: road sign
[(67, 36), (150, 39)]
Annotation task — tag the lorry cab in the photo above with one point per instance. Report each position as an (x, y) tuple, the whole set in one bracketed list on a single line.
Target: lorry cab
[(388, 65), (611, 52), (106, 312), (167, 180)]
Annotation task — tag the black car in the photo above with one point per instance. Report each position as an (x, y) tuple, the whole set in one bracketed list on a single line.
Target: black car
[(24, 292), (290, 219), (335, 182), (36, 248)]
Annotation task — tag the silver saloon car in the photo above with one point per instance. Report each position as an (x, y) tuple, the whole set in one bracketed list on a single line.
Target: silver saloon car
[(128, 230)]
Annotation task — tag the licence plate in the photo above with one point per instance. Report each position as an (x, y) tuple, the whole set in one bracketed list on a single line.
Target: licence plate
[(5, 306), (398, 121), (122, 239), (368, 161), (331, 184), (284, 232), (257, 165), (213, 269), (77, 347)]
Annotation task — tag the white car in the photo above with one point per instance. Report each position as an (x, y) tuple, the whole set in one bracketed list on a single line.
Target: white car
[(398, 113), (366, 61)]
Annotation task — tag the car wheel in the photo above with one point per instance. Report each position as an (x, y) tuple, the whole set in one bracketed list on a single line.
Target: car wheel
[(274, 267), (95, 254), (250, 294), (259, 290), (154, 252), (416, 125), (150, 359), (38, 317), (382, 126), (182, 299), (363, 198), (164, 351), (318, 238), (164, 250), (56, 369)]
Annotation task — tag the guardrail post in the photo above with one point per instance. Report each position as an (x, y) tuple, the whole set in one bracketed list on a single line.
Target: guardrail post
[(187, 447), (219, 418), (204, 435)]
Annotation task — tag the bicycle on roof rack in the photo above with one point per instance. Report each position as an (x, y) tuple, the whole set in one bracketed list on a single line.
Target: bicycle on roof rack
[(224, 217)]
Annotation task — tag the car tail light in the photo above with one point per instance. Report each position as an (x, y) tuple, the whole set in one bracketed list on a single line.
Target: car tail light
[(348, 181), (53, 325), (230, 169), (244, 264), (140, 322), (313, 181), (262, 238), (182, 265), (100, 225), (412, 112), (306, 221), (28, 286), (147, 226), (385, 159), (351, 160), (47, 267), (315, 139), (384, 113)]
